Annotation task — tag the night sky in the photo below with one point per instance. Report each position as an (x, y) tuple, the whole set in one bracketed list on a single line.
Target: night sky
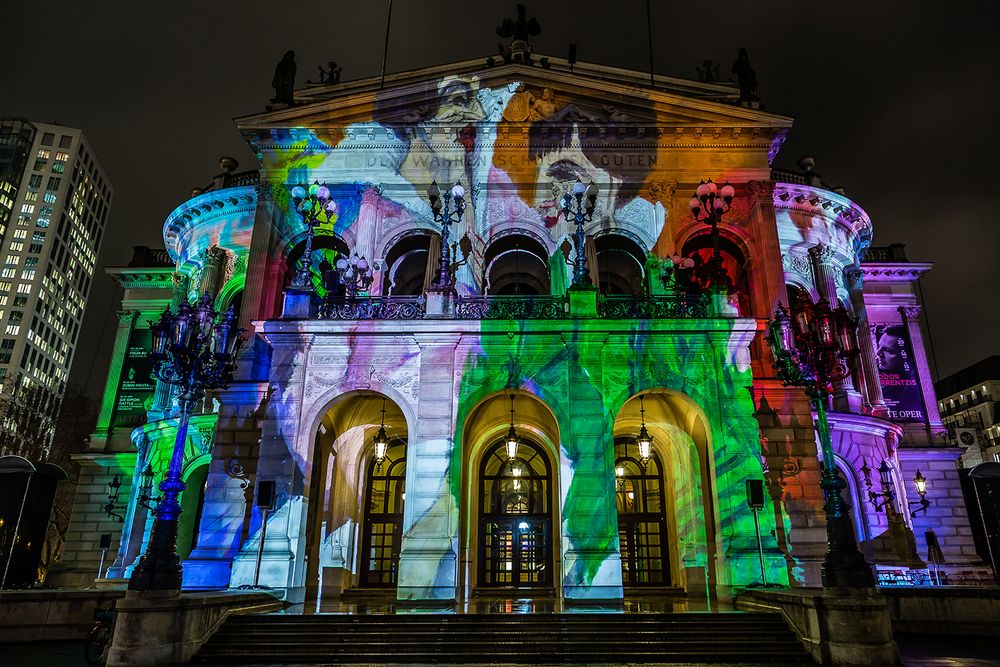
[(897, 105)]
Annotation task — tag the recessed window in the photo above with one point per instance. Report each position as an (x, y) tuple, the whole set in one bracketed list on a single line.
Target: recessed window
[(57, 168), (40, 165), (43, 153), (65, 141), (35, 181), (48, 138)]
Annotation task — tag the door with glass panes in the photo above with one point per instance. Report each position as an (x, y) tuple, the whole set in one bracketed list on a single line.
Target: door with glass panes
[(383, 526), (515, 522), (642, 529)]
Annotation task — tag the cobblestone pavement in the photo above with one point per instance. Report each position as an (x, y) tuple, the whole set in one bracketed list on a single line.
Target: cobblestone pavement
[(916, 650)]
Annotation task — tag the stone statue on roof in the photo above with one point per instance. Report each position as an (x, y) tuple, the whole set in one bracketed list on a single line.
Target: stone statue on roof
[(283, 81), (519, 30), (746, 78)]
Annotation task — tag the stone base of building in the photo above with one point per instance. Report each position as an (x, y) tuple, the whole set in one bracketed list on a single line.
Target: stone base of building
[(846, 627)]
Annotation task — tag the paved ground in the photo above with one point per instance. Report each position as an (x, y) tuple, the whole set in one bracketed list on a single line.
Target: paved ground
[(917, 651)]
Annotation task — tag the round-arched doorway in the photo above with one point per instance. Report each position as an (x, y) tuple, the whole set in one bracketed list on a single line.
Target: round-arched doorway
[(642, 528), (515, 517), (382, 533)]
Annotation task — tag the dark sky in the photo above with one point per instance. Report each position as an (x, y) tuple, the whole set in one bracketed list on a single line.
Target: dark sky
[(897, 104)]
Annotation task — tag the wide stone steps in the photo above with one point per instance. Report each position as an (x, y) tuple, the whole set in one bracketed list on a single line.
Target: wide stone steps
[(743, 638)]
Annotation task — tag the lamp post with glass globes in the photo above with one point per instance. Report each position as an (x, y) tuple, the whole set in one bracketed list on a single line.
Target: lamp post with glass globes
[(577, 209), (311, 205), (355, 274), (446, 216), (193, 349), (708, 206), (812, 349)]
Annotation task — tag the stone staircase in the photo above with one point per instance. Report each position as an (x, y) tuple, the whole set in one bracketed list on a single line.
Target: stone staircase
[(743, 638)]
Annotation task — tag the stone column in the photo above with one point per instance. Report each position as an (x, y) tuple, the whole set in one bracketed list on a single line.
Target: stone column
[(428, 562), (280, 461), (911, 319), (767, 274), (845, 397), (871, 386), (591, 559), (367, 229), (212, 270), (126, 323), (134, 525), (229, 486)]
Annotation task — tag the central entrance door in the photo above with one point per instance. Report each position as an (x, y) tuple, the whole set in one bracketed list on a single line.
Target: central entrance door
[(383, 529), (515, 520)]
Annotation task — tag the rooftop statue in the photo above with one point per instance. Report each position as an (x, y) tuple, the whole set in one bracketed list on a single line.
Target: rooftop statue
[(331, 74), (284, 79), (746, 78), (519, 30)]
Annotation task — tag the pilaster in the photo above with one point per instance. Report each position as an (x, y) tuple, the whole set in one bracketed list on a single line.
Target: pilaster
[(871, 387), (126, 323)]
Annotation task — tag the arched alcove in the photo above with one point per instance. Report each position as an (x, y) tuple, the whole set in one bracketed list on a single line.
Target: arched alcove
[(620, 264), (734, 260), (516, 264), (325, 247), (355, 517), (496, 534), (406, 265)]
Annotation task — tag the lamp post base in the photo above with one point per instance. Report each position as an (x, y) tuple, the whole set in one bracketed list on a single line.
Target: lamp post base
[(159, 569), (844, 565)]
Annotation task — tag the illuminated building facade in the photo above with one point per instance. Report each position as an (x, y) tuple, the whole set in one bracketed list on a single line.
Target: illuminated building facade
[(54, 202), (513, 398), (969, 401)]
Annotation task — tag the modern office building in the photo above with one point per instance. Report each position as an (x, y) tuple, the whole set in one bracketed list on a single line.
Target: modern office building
[(54, 203), (446, 414), (969, 402)]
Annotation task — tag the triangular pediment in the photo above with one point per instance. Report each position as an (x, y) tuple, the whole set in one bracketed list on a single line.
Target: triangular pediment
[(470, 92)]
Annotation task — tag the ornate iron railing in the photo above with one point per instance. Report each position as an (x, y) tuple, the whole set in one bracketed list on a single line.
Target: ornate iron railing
[(652, 307), (541, 307), (372, 308)]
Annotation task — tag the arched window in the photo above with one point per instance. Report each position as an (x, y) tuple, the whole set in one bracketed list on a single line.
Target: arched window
[(516, 264), (406, 265), (383, 528), (620, 263), (515, 520), (325, 249), (699, 247), (642, 528)]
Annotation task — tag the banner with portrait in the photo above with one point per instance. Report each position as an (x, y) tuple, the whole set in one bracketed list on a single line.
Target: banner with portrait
[(897, 372)]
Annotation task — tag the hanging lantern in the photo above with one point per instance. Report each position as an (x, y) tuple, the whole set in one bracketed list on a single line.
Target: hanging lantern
[(381, 441), (644, 440), (510, 442)]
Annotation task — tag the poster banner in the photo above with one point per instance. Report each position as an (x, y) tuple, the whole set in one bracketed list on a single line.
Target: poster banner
[(897, 372), (136, 385)]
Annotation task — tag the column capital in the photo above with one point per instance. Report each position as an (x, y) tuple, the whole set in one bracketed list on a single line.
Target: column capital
[(370, 193), (910, 312), (855, 278), (761, 191), (127, 317), (821, 253)]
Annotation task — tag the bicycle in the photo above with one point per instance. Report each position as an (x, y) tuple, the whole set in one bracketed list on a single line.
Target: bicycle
[(100, 637)]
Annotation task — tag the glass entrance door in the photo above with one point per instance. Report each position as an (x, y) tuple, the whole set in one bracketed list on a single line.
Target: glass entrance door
[(383, 528), (515, 524), (642, 530)]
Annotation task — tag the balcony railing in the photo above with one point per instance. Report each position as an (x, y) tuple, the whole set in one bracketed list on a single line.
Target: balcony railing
[(535, 307), (652, 307), (372, 308), (541, 307)]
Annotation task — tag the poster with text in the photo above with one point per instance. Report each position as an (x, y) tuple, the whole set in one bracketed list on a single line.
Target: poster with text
[(897, 372), (136, 384)]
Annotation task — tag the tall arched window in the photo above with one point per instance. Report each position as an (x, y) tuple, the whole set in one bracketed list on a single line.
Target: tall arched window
[(642, 529), (383, 528), (406, 265), (515, 517)]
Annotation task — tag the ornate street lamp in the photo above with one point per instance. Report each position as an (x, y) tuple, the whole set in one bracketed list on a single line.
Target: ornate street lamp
[(381, 441), (708, 206), (311, 205), (445, 215), (194, 349), (111, 508), (812, 349), (577, 210), (644, 440), (355, 274), (510, 442), (884, 498)]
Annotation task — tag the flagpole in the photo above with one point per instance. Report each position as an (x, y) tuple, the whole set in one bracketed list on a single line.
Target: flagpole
[(385, 51)]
